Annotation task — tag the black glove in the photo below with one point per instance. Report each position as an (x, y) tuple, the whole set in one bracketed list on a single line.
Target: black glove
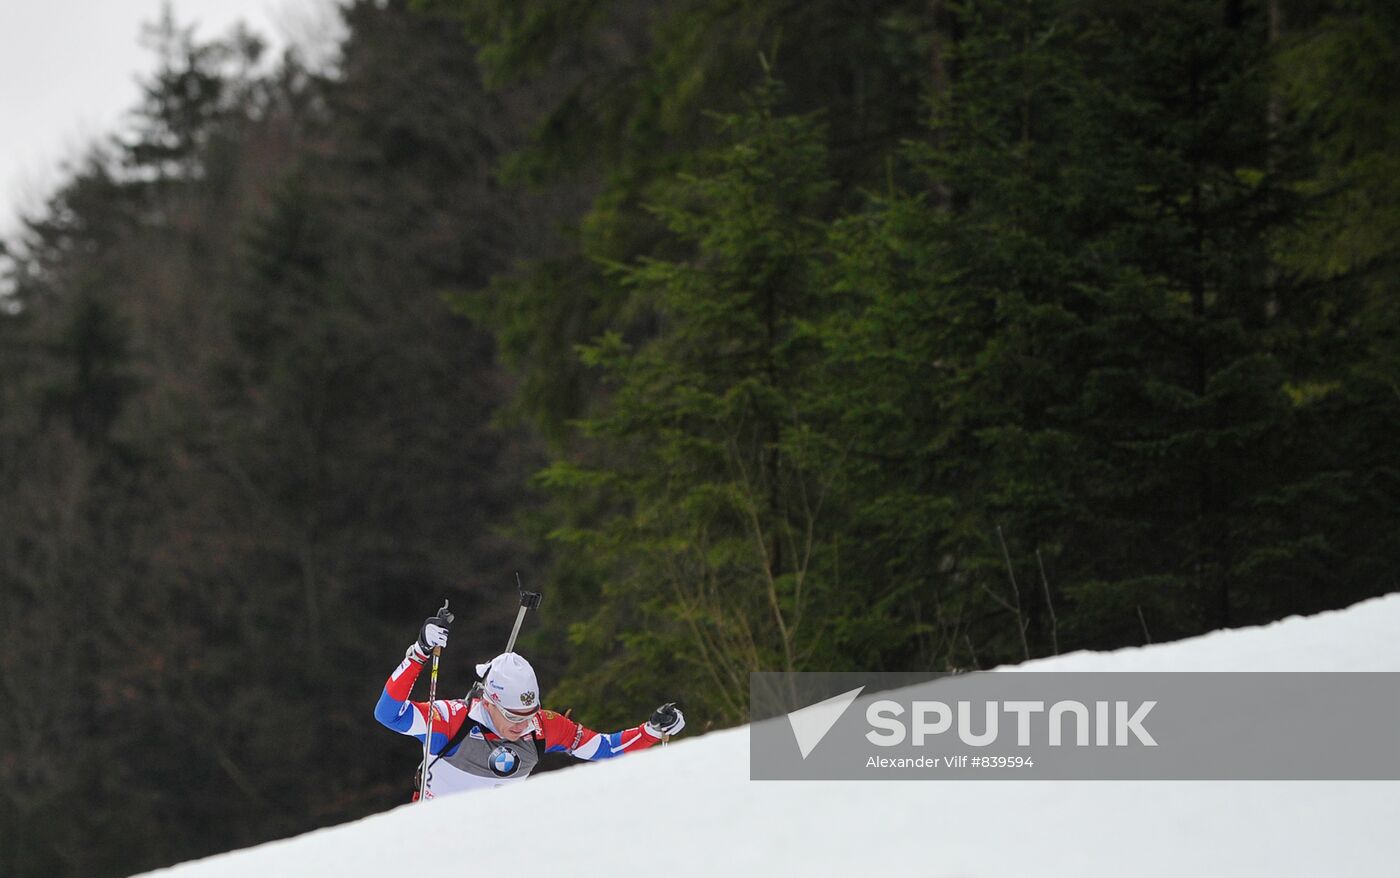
[(434, 631), (666, 720)]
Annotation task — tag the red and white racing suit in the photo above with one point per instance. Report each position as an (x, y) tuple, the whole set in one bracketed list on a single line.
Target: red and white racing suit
[(482, 758)]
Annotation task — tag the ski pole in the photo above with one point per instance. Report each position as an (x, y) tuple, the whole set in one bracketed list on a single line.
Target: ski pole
[(432, 709), (529, 600)]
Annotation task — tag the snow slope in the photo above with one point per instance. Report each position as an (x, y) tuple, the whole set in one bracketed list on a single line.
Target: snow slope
[(690, 809)]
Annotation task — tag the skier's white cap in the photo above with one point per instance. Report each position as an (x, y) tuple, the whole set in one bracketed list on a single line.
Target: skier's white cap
[(510, 683)]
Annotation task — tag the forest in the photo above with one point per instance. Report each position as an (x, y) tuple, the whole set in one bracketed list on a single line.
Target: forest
[(904, 335)]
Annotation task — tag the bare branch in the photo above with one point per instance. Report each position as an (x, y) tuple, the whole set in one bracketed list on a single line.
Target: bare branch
[(1050, 604), (1021, 622), (1145, 633)]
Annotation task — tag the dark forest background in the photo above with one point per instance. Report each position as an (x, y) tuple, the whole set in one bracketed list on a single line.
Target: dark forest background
[(899, 335)]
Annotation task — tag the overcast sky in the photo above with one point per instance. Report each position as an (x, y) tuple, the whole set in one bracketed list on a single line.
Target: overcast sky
[(69, 70)]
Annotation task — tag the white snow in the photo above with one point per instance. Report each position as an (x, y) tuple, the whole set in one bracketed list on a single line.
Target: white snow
[(690, 808)]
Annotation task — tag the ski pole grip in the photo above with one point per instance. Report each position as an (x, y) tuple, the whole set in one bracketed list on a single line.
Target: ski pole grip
[(529, 600)]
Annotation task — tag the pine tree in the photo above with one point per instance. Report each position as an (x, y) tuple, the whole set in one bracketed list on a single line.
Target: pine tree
[(705, 520)]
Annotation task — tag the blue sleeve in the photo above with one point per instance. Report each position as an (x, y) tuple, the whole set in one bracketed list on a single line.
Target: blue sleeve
[(562, 734), (395, 711), (405, 718)]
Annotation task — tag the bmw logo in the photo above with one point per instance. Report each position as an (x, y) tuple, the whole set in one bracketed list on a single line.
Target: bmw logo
[(503, 761)]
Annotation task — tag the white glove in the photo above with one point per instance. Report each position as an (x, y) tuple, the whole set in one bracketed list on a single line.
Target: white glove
[(433, 634), (666, 720)]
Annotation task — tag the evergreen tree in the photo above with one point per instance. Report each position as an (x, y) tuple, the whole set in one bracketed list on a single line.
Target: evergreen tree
[(1092, 377), (703, 513)]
